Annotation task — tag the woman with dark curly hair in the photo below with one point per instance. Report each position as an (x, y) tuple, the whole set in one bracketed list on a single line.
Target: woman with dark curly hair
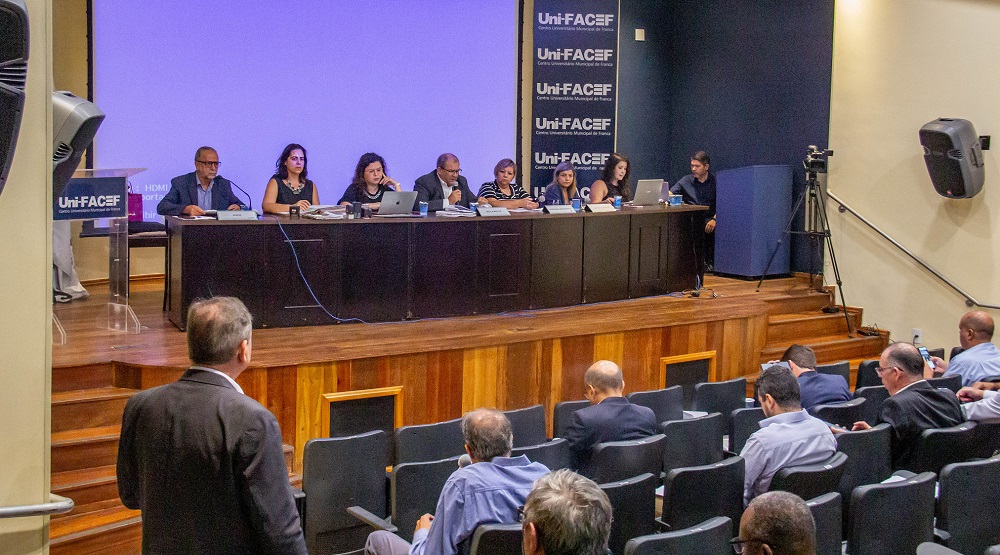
[(370, 182)]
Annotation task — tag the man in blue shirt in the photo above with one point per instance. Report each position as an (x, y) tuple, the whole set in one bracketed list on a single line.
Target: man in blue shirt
[(814, 388), (981, 358), (488, 491), (789, 436)]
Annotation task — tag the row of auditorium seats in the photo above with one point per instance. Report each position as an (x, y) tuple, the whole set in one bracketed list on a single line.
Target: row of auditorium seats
[(687, 457)]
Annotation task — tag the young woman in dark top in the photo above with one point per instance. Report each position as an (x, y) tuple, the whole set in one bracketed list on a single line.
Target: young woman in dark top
[(502, 191), (370, 182), (613, 181), (562, 190), (288, 186)]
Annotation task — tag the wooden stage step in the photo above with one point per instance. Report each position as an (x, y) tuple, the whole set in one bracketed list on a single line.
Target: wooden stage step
[(85, 448), (114, 529), (87, 376), (814, 323), (86, 486), (831, 348), (88, 408)]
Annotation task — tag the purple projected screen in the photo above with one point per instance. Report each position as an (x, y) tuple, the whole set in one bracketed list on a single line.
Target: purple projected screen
[(406, 79)]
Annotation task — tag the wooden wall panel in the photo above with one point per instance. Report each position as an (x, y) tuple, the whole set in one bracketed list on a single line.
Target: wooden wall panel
[(610, 346), (641, 360), (577, 355)]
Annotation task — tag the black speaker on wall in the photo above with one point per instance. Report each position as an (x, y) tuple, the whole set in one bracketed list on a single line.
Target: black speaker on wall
[(74, 124), (13, 75), (954, 157)]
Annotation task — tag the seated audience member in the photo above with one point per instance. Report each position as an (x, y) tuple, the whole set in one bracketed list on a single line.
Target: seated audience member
[(488, 491), (444, 186), (610, 417), (502, 191), (698, 187), (566, 514), (613, 181), (913, 405), (814, 388), (980, 405), (777, 523), (370, 182), (288, 186), (562, 190), (203, 189), (789, 436), (980, 357)]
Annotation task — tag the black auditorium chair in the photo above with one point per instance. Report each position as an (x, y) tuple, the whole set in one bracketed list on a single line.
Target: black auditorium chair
[(892, 518), (429, 442), (706, 538), (955, 351), (667, 404), (968, 506), (842, 368), (992, 550), (867, 375), (493, 539), (695, 494), (722, 397), (952, 382), (745, 423), (874, 396), (842, 414), (415, 491), (562, 415), (826, 512), (337, 473), (528, 425), (939, 352), (987, 439), (692, 441), (938, 447), (617, 460), (869, 461), (633, 504), (811, 480), (553, 454)]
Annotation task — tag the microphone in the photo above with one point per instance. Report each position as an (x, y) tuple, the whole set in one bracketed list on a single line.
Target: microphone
[(249, 200)]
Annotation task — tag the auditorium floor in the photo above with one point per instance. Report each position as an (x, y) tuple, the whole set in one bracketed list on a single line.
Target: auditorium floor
[(161, 344)]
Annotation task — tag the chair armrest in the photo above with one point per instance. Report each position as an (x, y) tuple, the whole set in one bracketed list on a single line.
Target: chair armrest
[(371, 519), (727, 454), (661, 526), (941, 537), (300, 505)]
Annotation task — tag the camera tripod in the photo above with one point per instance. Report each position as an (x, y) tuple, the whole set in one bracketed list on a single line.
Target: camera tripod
[(817, 228)]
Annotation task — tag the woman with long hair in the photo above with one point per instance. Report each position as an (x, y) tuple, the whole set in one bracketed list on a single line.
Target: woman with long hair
[(288, 186), (613, 181), (370, 182), (563, 189)]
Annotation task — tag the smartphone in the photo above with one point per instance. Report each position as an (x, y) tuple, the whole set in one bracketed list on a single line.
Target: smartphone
[(784, 365), (927, 356)]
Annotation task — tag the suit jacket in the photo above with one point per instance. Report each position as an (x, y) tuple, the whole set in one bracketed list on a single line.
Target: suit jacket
[(820, 389), (915, 409), (204, 464), (184, 192), (613, 419), (428, 188)]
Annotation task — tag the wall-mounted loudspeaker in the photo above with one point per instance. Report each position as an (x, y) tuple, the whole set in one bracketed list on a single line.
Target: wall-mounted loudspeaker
[(13, 74), (74, 124), (954, 157)]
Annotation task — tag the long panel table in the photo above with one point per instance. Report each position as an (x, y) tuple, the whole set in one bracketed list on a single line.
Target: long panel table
[(391, 269)]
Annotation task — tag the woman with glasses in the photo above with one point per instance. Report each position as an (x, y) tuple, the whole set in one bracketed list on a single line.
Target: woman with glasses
[(502, 191), (370, 182), (613, 182), (562, 190), (288, 186)]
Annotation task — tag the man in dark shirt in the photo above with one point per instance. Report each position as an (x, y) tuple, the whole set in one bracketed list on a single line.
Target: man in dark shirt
[(815, 388), (913, 404), (699, 188), (610, 417)]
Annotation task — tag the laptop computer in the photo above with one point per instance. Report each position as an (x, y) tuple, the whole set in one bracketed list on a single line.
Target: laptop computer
[(397, 203), (647, 193)]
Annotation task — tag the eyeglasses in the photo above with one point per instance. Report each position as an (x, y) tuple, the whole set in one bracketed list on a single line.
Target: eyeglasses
[(456, 172), (520, 513), (883, 369), (209, 164), (738, 544)]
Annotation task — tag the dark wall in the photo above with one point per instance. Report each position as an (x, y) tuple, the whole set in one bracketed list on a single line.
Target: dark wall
[(749, 82)]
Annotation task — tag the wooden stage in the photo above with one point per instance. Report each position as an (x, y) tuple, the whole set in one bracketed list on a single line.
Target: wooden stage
[(448, 366)]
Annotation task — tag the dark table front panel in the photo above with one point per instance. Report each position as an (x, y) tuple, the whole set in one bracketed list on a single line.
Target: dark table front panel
[(503, 265), (556, 261), (605, 258), (384, 271)]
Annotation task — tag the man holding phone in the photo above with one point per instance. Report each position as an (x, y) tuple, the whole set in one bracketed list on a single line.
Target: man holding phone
[(980, 358)]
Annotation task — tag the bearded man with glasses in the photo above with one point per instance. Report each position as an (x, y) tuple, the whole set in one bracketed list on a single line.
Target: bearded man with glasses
[(192, 194)]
